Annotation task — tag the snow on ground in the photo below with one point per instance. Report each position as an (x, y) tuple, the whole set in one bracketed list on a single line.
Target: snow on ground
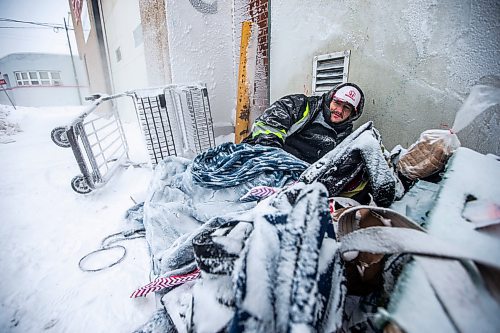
[(46, 228)]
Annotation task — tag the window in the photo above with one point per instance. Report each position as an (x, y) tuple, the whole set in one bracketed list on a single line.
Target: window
[(44, 78), (330, 70), (138, 38), (56, 78), (22, 79), (36, 78), (7, 81)]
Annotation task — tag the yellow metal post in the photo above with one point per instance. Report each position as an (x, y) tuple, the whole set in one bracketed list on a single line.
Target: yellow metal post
[(243, 97)]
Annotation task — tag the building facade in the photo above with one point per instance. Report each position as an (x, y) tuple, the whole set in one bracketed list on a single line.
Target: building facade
[(416, 60), (134, 44), (41, 79)]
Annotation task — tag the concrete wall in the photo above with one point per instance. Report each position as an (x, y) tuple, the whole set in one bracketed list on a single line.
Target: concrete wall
[(201, 50), (156, 47), (128, 72), (415, 60), (65, 94), (121, 21)]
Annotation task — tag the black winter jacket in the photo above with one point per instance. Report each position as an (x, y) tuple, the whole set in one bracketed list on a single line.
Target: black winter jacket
[(300, 125)]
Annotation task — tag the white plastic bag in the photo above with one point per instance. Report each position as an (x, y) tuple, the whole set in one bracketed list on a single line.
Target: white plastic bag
[(429, 154), (480, 99)]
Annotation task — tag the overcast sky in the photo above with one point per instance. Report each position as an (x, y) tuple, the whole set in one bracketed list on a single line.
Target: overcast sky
[(33, 38)]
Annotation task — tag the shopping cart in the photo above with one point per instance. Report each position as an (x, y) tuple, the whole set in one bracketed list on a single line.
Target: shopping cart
[(175, 120)]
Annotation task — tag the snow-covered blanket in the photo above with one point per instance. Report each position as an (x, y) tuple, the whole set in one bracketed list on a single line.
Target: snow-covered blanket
[(230, 165), (270, 269), (185, 194), (286, 277)]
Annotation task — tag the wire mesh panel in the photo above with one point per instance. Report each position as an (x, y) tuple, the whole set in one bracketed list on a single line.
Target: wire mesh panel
[(98, 142), (105, 138), (175, 120), (200, 131), (157, 127)]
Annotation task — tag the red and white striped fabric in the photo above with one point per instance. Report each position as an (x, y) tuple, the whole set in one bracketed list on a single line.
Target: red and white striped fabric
[(165, 282), (259, 192)]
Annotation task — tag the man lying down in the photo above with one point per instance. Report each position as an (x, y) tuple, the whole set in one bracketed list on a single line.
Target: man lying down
[(242, 236)]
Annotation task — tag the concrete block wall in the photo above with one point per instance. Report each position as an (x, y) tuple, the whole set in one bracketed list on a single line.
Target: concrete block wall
[(415, 60)]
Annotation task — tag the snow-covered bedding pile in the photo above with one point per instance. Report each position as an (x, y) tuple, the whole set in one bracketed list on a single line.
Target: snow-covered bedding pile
[(184, 194), (269, 266)]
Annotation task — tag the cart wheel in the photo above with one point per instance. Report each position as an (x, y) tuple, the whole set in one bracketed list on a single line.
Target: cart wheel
[(79, 185), (59, 137)]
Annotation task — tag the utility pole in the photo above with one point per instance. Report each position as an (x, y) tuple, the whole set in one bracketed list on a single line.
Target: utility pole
[(73, 63)]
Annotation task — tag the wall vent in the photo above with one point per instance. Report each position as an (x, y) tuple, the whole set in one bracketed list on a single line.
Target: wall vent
[(329, 70)]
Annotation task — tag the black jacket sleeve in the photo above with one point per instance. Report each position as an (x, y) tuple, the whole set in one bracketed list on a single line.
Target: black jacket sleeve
[(271, 128)]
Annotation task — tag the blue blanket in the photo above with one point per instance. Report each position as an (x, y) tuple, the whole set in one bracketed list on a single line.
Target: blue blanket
[(230, 165)]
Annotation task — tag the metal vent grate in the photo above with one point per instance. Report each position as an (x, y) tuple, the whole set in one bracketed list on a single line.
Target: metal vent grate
[(330, 70)]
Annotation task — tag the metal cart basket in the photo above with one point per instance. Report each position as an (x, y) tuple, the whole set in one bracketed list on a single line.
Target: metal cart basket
[(175, 120)]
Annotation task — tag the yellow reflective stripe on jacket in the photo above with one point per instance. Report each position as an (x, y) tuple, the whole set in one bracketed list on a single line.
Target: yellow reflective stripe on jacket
[(306, 112), (353, 192), (265, 130), (300, 122), (259, 132), (261, 127)]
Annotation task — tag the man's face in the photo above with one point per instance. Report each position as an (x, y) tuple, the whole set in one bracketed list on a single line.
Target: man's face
[(339, 111)]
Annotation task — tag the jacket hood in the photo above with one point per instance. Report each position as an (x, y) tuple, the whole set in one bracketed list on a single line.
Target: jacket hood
[(327, 99)]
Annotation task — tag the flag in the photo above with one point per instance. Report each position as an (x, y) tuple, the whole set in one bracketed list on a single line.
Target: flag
[(77, 9)]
